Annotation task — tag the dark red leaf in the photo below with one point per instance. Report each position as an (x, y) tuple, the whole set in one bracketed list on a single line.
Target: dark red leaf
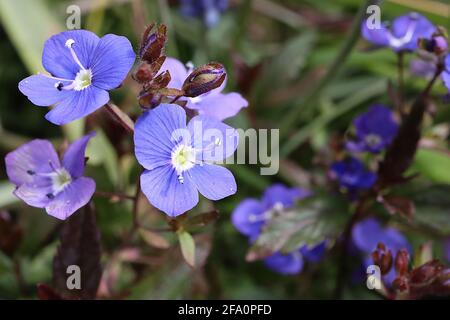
[(80, 246)]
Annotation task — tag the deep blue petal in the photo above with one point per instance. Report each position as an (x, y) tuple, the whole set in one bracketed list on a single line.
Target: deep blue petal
[(153, 134), (214, 140), (247, 217), (74, 159), (285, 263), (30, 158), (42, 91), (165, 192), (73, 197), (78, 105), (315, 253), (213, 182), (279, 193), (57, 59), (111, 61)]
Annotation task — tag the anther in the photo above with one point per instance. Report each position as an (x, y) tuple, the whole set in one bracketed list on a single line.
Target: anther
[(69, 43), (31, 172), (59, 86)]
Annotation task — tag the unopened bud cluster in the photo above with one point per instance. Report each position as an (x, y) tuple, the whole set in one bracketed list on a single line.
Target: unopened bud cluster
[(154, 81)]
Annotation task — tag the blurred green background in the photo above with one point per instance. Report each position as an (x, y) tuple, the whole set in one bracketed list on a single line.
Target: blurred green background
[(276, 54)]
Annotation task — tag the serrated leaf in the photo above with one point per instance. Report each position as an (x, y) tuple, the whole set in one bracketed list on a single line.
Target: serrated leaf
[(187, 245), (311, 222), (80, 246)]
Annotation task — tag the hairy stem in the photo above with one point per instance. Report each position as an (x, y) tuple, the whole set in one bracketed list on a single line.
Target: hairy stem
[(118, 115)]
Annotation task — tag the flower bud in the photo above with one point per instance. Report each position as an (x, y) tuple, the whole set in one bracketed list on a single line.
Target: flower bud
[(437, 44), (401, 284), (153, 43), (204, 79), (402, 262), (382, 257)]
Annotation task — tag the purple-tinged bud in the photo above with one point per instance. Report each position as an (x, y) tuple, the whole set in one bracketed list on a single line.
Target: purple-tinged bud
[(153, 43), (143, 73), (204, 79), (402, 262), (436, 45), (382, 258)]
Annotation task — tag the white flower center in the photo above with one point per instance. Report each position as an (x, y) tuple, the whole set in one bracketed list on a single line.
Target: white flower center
[(183, 158), (60, 180), (83, 79), (372, 140)]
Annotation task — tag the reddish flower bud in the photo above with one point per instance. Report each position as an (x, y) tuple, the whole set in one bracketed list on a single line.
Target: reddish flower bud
[(143, 73), (426, 273), (204, 79), (382, 258), (402, 262), (401, 284), (153, 43), (437, 44)]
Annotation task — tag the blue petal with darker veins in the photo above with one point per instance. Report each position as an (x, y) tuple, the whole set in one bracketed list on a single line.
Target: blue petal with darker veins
[(77, 105)]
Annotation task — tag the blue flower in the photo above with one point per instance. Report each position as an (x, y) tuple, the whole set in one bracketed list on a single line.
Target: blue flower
[(375, 130), (369, 232), (446, 74), (208, 10), (403, 35), (43, 181), (214, 103), (177, 158), (292, 263), (351, 175), (286, 264), (82, 67), (251, 214)]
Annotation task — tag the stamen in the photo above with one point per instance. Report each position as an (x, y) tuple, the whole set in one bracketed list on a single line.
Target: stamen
[(59, 86), (31, 172), (69, 44), (398, 42), (190, 66), (54, 78)]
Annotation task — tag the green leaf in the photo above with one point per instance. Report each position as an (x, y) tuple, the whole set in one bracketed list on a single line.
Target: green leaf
[(6, 194), (311, 222), (433, 164), (287, 64), (28, 24), (433, 208), (187, 247), (100, 151)]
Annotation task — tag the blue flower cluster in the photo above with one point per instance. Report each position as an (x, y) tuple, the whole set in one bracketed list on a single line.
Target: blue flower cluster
[(251, 215), (178, 160)]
